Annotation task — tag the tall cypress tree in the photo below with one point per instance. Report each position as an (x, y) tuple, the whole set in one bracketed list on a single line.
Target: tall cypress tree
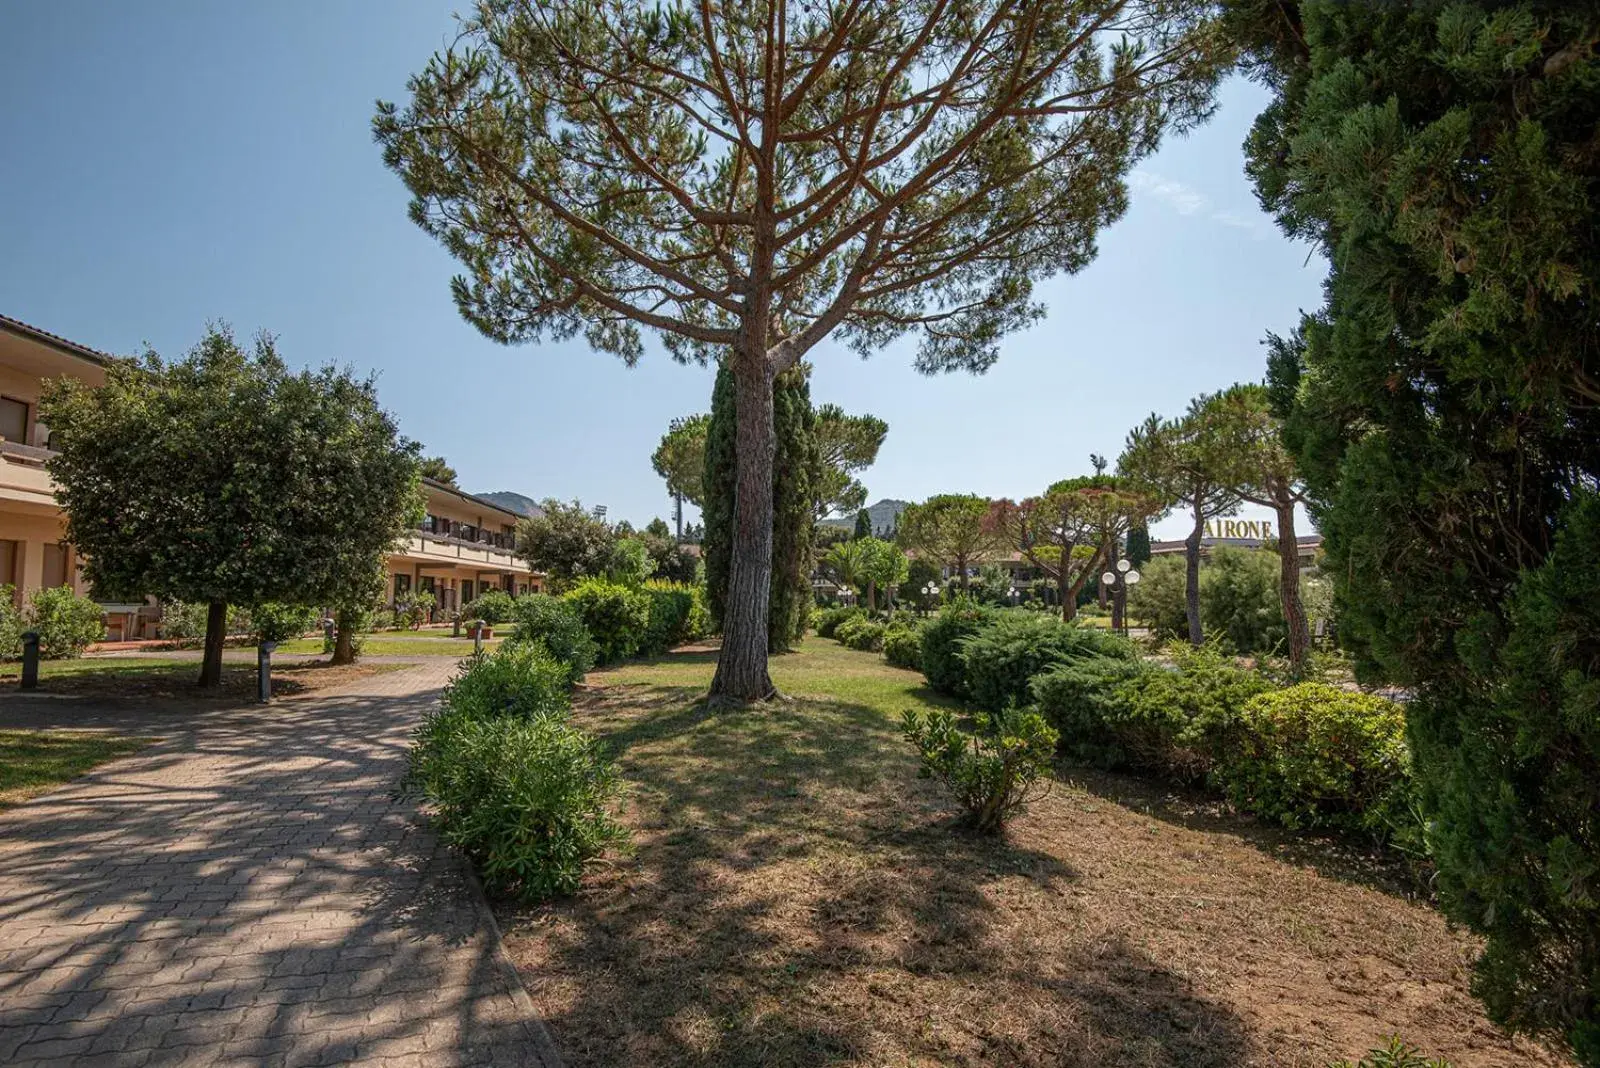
[(1138, 551), (794, 469), (795, 463), (1444, 407), (719, 485)]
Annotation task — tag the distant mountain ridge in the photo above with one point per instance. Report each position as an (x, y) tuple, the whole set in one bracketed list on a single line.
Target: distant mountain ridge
[(885, 517), (514, 502)]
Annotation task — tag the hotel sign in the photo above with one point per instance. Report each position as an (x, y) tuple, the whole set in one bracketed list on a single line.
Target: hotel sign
[(1239, 528)]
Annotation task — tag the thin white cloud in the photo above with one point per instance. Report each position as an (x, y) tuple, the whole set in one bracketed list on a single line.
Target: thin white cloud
[(1186, 200)]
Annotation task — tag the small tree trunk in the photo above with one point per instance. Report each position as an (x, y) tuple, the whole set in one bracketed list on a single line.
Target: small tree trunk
[(1294, 611), (742, 664), (216, 633), (872, 595), (344, 638), (1191, 577), (961, 566), (1069, 606)]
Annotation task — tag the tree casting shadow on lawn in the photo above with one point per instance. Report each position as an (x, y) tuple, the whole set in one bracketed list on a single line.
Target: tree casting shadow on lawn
[(799, 897)]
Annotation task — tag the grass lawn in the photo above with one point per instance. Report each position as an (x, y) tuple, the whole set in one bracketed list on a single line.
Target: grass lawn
[(152, 677), (32, 762), (798, 896)]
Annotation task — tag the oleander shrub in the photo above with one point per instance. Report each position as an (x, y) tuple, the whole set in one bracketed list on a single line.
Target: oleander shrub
[(902, 645), (556, 626), (1183, 721), (1000, 660), (615, 615), (678, 614), (10, 624), (1084, 701), (493, 606), (66, 622), (941, 643), (518, 679), (414, 609), (995, 771), (185, 621), (524, 794), (1315, 755), (862, 633), (828, 620), (1396, 1054), (274, 621)]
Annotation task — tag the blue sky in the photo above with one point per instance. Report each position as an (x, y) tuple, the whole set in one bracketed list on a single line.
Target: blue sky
[(169, 163)]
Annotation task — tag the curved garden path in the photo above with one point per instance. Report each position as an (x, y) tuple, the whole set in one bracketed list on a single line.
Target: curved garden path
[(248, 891)]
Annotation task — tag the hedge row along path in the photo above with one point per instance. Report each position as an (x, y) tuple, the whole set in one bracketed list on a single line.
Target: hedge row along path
[(248, 892)]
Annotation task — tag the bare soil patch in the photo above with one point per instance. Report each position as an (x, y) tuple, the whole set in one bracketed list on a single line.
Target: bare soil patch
[(798, 896)]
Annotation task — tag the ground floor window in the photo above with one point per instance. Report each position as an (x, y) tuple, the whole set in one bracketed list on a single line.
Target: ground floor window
[(402, 587), (466, 591)]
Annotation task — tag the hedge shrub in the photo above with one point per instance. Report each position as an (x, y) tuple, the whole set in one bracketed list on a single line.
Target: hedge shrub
[(1082, 699), (859, 632), (556, 626), (678, 614), (941, 640), (10, 624), (999, 659), (512, 784), (902, 645), (828, 620), (518, 679), (1183, 721), (275, 621), (616, 616), (1314, 755), (492, 606), (66, 622)]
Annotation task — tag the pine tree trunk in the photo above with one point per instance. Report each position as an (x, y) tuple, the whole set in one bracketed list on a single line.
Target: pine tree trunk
[(344, 643), (1191, 577), (1294, 611), (961, 565), (216, 633), (1063, 588), (742, 664)]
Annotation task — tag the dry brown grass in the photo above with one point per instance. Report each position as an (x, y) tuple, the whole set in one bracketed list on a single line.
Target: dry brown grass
[(799, 897)]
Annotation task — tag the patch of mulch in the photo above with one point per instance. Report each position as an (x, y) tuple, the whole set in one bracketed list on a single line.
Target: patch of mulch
[(797, 896)]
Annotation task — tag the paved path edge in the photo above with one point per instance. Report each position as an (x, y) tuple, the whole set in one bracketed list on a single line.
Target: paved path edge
[(539, 1037)]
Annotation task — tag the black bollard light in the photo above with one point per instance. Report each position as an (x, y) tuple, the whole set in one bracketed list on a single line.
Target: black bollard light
[(264, 671), (30, 660)]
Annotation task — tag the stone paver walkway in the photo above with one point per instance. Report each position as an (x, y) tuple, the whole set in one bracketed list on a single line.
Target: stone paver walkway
[(248, 892)]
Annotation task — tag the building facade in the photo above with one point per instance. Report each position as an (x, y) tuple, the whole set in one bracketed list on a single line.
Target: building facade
[(462, 547), (34, 553)]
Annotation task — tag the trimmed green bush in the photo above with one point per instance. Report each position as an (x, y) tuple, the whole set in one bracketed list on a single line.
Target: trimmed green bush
[(492, 606), (616, 616), (1083, 700), (677, 615), (941, 641), (1314, 755), (277, 622), (993, 772), (902, 645), (859, 632), (518, 679), (1000, 659), (10, 624), (1183, 721), (66, 622), (556, 626), (526, 796), (828, 621)]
